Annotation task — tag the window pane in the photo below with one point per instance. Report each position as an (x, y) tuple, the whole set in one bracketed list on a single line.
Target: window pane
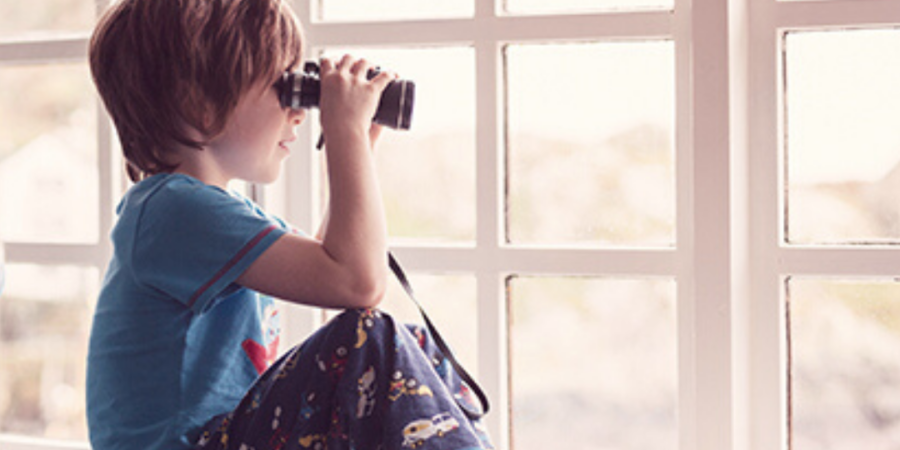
[(367, 11), (48, 155), (590, 144), (593, 364), (845, 373), (45, 315), (574, 6), (427, 174), (843, 101), (21, 19), (450, 302)]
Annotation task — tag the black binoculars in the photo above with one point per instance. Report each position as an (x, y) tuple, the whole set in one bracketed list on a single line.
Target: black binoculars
[(301, 89)]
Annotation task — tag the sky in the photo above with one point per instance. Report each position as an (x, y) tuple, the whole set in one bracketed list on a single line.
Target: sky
[(843, 105)]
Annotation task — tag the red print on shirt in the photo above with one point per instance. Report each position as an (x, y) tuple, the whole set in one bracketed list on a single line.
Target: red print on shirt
[(263, 355), (260, 356)]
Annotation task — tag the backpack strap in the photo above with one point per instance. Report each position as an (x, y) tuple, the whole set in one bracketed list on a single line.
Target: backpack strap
[(439, 341)]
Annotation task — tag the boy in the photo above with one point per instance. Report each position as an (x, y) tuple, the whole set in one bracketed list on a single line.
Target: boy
[(184, 335)]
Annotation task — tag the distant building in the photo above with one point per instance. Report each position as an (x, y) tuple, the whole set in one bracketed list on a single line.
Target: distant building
[(50, 188)]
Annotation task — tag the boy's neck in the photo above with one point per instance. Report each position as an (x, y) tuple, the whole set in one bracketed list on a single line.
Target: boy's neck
[(197, 164)]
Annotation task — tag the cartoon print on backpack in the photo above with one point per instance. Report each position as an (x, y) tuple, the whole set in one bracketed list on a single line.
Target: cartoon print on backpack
[(366, 386), (279, 434), (366, 320), (307, 409), (401, 386), (313, 441), (417, 432), (335, 364)]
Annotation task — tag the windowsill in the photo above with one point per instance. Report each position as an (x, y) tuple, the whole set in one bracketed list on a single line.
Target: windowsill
[(11, 442)]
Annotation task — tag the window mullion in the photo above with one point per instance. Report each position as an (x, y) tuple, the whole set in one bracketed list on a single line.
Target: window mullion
[(488, 144), (38, 52), (767, 361), (9, 442), (493, 353), (55, 254), (824, 14), (705, 227)]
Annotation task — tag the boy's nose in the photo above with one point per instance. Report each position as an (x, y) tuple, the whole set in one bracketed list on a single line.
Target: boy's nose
[(297, 116)]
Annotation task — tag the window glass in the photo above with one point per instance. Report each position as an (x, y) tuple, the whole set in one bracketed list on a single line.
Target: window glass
[(45, 314), (450, 301), (593, 363), (45, 18), (590, 144), (574, 6), (427, 173), (842, 138), (240, 186), (844, 371), (366, 11), (49, 189)]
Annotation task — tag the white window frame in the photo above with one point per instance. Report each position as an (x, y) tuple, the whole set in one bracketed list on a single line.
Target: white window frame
[(730, 261), (703, 260), (72, 48), (771, 260)]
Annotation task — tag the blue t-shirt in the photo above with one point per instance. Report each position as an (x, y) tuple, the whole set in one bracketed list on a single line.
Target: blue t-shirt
[(175, 341)]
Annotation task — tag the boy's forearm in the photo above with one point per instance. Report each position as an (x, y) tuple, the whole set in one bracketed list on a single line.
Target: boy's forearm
[(355, 231)]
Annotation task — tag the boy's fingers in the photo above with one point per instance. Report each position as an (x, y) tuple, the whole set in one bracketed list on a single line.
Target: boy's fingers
[(382, 79), (326, 64), (345, 62), (361, 66)]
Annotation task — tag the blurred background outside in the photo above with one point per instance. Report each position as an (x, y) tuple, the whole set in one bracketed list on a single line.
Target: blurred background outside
[(589, 163)]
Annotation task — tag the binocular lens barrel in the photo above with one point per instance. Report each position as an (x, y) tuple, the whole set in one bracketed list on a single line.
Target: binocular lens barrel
[(302, 89)]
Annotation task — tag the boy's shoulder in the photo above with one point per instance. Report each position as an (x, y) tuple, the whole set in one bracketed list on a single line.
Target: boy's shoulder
[(172, 193)]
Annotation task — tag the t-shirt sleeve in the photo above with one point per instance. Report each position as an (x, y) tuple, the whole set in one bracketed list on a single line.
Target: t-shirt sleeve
[(193, 241)]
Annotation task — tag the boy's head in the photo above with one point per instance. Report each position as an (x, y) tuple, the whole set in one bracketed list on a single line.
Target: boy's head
[(171, 72)]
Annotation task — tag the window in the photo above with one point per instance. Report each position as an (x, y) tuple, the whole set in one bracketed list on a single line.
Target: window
[(590, 124), (49, 119), (56, 199), (588, 351), (842, 336), (642, 224), (823, 250), (842, 143), (538, 187)]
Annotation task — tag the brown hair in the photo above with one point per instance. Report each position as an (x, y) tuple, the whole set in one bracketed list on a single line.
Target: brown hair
[(168, 70)]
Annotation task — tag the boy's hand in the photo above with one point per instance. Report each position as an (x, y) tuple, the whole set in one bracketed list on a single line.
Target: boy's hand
[(374, 133), (349, 99)]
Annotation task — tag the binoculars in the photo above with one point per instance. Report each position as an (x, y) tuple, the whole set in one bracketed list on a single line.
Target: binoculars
[(302, 89)]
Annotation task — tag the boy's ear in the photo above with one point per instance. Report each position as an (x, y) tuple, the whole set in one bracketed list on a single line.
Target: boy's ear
[(194, 135), (201, 127)]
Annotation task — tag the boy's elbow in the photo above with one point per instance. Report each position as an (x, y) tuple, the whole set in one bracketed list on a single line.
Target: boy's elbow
[(367, 298), (369, 293)]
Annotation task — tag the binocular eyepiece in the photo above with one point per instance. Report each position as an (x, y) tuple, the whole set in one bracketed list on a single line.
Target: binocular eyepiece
[(302, 89)]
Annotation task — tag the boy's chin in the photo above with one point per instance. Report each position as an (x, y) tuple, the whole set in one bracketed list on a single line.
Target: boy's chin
[(264, 181), (266, 178)]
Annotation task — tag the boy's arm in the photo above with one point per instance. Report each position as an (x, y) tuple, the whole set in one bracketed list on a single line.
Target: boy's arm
[(374, 133), (347, 266)]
